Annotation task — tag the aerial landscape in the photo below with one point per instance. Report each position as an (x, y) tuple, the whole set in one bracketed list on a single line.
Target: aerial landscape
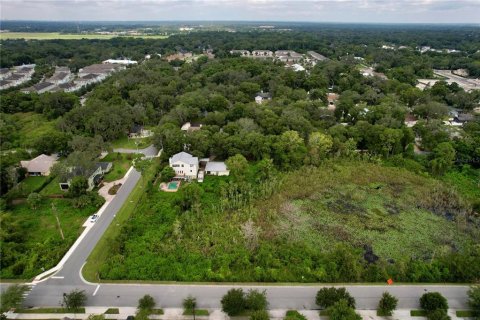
[(169, 159)]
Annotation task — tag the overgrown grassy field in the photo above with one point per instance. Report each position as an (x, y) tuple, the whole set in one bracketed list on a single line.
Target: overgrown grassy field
[(31, 239), (321, 224), (57, 35), (31, 125)]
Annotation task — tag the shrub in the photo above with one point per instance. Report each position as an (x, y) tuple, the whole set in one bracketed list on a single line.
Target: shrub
[(146, 303), (12, 297), (167, 174), (233, 302), (433, 301), (438, 314), (341, 310), (78, 186), (294, 315), (74, 300), (256, 300), (259, 315), (327, 297), (474, 298), (387, 304), (34, 199)]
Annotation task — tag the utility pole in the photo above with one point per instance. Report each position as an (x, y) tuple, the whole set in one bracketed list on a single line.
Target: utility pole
[(54, 210)]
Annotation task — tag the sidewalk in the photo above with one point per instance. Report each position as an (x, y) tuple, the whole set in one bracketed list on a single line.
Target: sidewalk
[(215, 314)]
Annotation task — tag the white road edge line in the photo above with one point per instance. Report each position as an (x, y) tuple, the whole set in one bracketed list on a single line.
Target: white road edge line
[(95, 292), (58, 277)]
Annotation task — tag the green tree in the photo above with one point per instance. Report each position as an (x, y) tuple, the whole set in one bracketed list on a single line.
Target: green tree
[(96, 317), (432, 301), (78, 186), (34, 199), (327, 297), (74, 300), (12, 297), (319, 145), (341, 310), (289, 150), (191, 195), (190, 304), (474, 298), (259, 315), (237, 165), (387, 304), (146, 303), (443, 159), (167, 173), (233, 302), (294, 315), (256, 300)]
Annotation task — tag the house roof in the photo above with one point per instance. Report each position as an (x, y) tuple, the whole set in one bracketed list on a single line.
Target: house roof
[(216, 166), (184, 157), (42, 163), (42, 85), (103, 165), (89, 76), (4, 83), (264, 95), (4, 70), (59, 76), (15, 76)]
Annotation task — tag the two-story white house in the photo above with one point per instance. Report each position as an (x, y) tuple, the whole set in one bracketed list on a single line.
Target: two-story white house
[(185, 165)]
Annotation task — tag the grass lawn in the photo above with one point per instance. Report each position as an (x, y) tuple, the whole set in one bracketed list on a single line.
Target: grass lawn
[(27, 186), (127, 143), (465, 313), (198, 312), (99, 253), (418, 313), (57, 35), (112, 311), (53, 188), (121, 163), (31, 239)]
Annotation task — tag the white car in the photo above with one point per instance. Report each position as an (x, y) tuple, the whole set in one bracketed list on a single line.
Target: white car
[(94, 218)]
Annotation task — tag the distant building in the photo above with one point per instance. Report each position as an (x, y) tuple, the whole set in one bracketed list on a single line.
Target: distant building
[(121, 61), (262, 54), (262, 96), (332, 100), (60, 78), (39, 166), (189, 127), (5, 73), (41, 87), (243, 53), (461, 72), (317, 56), (296, 67), (288, 56)]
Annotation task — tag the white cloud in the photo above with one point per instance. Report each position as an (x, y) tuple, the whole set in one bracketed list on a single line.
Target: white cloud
[(440, 11)]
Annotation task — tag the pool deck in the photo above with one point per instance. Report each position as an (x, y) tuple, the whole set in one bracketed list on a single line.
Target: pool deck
[(165, 186)]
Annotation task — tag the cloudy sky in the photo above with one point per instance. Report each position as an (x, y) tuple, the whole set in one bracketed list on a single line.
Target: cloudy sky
[(389, 11)]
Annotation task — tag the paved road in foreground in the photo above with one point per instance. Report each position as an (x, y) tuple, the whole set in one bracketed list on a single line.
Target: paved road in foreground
[(50, 291)]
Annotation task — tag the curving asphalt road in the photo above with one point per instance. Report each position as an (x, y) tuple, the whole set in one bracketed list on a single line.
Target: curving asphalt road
[(49, 292)]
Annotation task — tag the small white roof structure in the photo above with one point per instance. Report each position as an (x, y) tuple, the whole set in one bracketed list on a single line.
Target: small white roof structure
[(42, 163), (296, 67), (184, 157), (123, 61), (216, 166)]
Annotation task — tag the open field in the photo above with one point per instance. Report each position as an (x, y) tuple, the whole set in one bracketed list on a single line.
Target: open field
[(31, 239), (57, 35), (323, 224)]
